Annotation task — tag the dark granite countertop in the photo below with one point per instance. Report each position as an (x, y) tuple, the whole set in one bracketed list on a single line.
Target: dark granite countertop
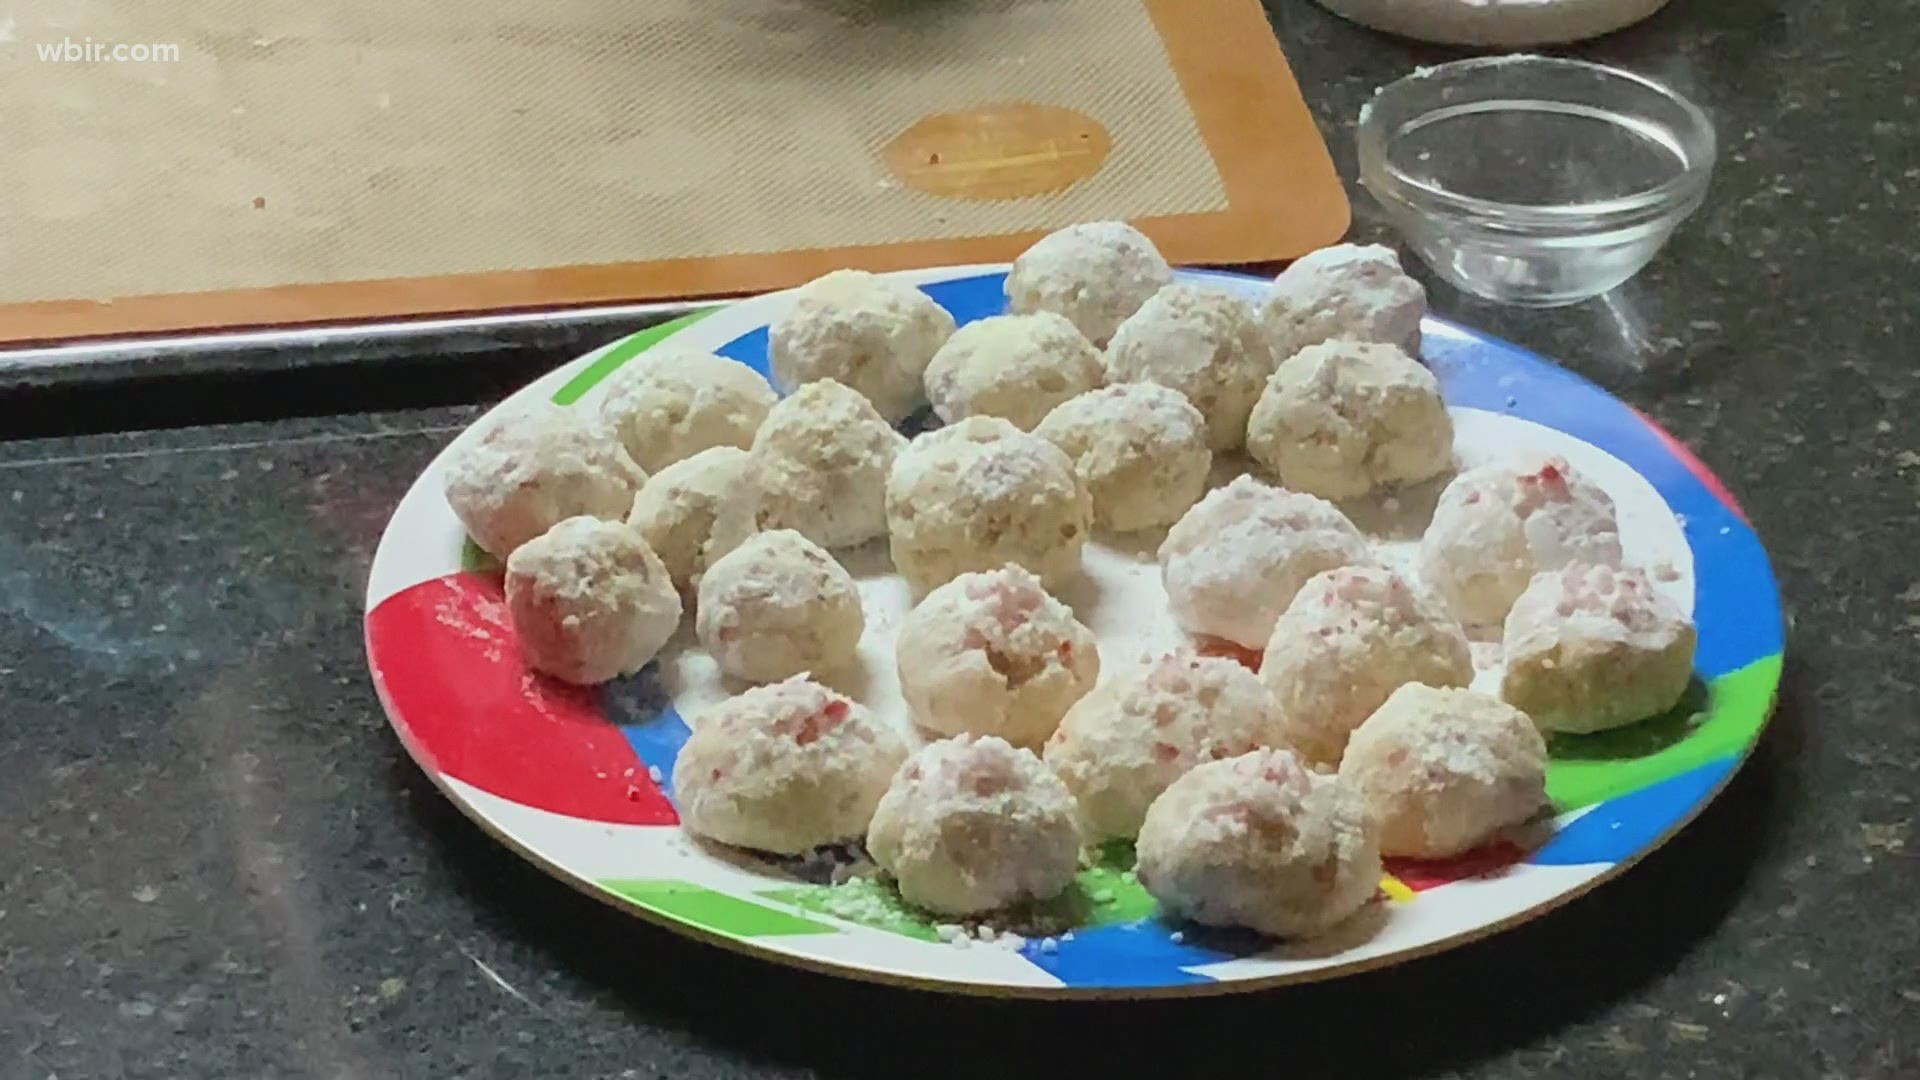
[(218, 862)]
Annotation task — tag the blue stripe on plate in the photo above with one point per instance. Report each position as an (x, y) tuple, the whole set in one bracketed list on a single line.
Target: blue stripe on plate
[(1620, 827), (1140, 954), (641, 708)]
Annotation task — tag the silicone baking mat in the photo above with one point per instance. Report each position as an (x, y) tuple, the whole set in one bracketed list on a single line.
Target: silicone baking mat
[(294, 162)]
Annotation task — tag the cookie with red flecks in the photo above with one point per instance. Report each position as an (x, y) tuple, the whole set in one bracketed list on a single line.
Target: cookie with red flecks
[(994, 654), (784, 768), (971, 824), (1498, 525)]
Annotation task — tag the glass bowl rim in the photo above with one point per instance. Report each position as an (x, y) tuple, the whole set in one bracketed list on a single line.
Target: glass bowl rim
[(1672, 196)]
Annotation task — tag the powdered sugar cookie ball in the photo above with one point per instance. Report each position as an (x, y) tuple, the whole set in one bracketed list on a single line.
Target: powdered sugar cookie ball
[(1351, 291), (589, 601), (1343, 418), (822, 459), (1140, 450), (694, 511), (1498, 525), (1261, 842), (971, 824), (533, 469), (1234, 562), (865, 331), (1016, 367), (1120, 746), (776, 606), (784, 768), (1096, 274), (1594, 647), (1350, 638), (1442, 770), (992, 654), (1204, 342), (669, 407), (980, 494)]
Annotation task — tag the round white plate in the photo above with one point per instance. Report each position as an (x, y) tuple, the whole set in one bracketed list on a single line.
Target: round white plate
[(577, 779)]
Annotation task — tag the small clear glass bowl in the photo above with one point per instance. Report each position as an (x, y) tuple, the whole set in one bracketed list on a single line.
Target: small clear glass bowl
[(1533, 180)]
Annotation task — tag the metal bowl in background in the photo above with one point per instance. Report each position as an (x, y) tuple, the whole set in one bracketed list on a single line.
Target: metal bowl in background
[(1507, 24)]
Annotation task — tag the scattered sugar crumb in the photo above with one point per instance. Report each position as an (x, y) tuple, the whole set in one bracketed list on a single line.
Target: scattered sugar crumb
[(1890, 837), (965, 936), (653, 773)]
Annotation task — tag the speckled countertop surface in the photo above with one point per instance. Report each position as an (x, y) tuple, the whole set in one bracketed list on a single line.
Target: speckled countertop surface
[(217, 861)]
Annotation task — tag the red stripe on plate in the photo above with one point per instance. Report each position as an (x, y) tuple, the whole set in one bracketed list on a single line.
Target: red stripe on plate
[(1485, 862), (449, 667), (1695, 466)]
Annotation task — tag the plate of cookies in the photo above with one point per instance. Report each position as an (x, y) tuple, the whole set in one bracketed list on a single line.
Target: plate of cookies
[(1081, 627)]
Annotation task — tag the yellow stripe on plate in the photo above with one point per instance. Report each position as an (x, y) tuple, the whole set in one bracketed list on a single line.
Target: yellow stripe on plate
[(1396, 889)]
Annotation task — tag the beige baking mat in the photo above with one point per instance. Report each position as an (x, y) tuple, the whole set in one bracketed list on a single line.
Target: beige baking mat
[(299, 160)]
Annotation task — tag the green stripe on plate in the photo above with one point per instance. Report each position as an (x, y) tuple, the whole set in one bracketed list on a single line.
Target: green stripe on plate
[(475, 561), (1113, 894), (622, 351), (864, 901), (715, 911), (1586, 769), (1103, 893)]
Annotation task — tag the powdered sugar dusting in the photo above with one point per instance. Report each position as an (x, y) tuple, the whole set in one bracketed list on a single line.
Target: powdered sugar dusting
[(1119, 596), (478, 617)]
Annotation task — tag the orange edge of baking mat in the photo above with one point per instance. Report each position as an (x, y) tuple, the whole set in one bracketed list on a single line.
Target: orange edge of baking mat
[(1245, 102)]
